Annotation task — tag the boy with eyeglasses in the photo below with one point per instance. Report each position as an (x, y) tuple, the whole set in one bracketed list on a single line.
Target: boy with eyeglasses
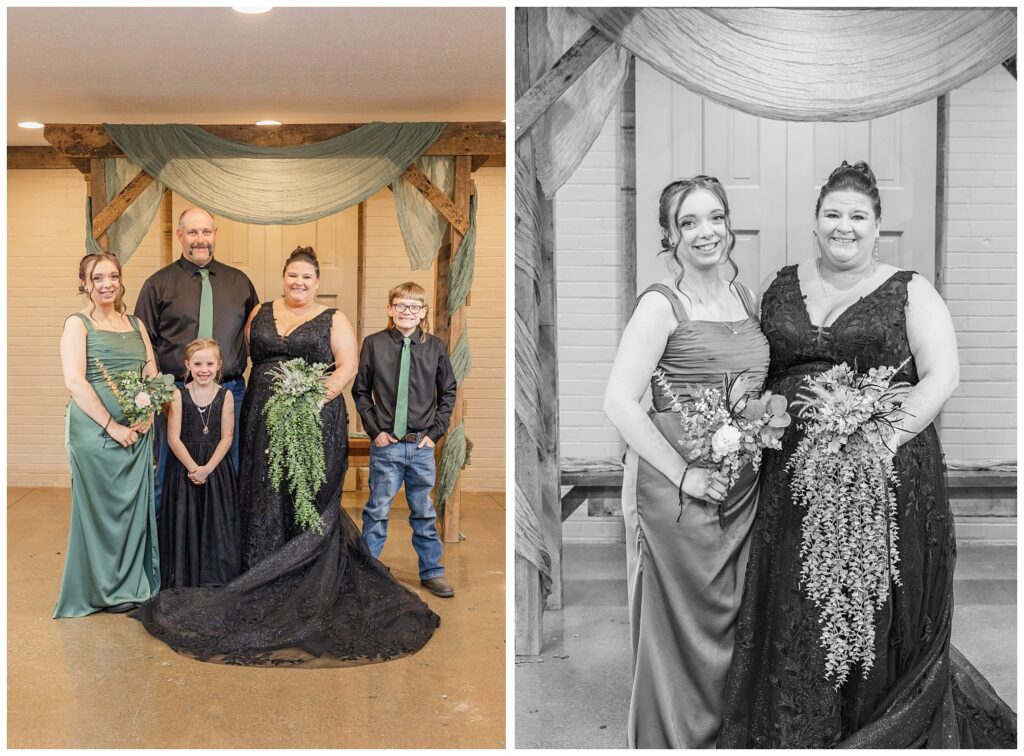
[(404, 393)]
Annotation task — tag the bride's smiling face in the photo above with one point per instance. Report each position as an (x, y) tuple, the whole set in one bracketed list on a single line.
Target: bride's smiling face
[(703, 234), (846, 230), (300, 283)]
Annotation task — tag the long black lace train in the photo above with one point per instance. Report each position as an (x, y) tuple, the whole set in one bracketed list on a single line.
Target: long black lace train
[(305, 598), (921, 691)]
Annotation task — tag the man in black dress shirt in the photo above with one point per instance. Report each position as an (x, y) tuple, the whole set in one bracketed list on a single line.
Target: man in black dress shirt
[(405, 418), (169, 303)]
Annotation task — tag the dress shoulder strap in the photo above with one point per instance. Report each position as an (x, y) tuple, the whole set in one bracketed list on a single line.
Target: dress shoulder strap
[(677, 306), (84, 319), (747, 297), (134, 321)]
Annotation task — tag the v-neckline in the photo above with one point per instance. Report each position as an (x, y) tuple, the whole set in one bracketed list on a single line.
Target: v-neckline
[(284, 337), (854, 303)]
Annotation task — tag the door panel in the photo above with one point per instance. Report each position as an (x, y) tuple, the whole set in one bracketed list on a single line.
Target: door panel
[(900, 148), (772, 172)]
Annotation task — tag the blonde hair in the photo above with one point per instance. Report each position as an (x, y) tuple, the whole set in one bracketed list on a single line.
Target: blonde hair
[(410, 290), (198, 345)]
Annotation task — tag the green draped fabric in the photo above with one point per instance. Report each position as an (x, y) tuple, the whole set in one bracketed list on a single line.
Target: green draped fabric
[(278, 185), (423, 228), (275, 185)]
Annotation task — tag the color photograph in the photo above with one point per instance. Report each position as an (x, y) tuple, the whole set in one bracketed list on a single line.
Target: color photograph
[(256, 378)]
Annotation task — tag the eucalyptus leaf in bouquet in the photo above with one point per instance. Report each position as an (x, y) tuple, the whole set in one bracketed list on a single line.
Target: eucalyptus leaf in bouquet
[(295, 427)]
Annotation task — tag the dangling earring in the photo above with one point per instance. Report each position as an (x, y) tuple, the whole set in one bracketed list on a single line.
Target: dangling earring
[(875, 253)]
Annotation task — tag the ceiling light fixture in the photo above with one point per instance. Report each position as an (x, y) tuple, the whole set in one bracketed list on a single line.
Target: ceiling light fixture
[(251, 9), (30, 125), (268, 123)]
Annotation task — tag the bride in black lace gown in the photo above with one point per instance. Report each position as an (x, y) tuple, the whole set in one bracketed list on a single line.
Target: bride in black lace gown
[(920, 692), (303, 598)]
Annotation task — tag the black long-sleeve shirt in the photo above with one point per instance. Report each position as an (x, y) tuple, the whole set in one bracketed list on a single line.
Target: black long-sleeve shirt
[(169, 306), (432, 383)]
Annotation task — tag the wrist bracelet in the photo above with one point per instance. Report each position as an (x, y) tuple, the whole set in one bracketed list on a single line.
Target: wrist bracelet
[(112, 417), (682, 495)]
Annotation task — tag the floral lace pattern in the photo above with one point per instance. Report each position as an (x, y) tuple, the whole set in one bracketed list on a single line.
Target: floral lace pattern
[(777, 695), (305, 598)]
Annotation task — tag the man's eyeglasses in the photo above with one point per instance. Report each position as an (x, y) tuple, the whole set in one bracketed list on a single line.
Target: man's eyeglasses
[(404, 308)]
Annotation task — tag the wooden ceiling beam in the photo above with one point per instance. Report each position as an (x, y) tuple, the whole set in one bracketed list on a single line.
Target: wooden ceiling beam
[(77, 140), (41, 157)]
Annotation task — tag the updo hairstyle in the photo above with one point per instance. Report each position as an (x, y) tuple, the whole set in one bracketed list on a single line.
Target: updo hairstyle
[(672, 198), (852, 178), (302, 254), (85, 266), (83, 270)]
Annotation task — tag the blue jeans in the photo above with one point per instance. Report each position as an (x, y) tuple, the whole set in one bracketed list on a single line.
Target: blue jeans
[(161, 448), (390, 467)]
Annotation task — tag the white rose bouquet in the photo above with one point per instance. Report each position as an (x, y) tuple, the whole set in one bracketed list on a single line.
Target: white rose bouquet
[(723, 428), (138, 397), (843, 476)]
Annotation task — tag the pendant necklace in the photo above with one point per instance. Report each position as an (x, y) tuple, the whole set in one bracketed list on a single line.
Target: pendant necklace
[(202, 412), (693, 295), (828, 300)]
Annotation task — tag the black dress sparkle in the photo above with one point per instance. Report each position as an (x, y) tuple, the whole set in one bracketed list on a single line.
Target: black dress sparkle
[(305, 598), (920, 692)]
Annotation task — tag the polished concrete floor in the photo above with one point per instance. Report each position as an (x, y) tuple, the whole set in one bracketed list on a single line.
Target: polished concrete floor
[(103, 681), (575, 694)]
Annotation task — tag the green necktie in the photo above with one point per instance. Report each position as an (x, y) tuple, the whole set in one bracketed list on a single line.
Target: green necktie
[(402, 403), (206, 306)]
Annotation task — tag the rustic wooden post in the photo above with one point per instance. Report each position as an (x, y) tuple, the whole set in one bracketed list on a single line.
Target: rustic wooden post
[(98, 196), (627, 141), (450, 326), (167, 229), (532, 462)]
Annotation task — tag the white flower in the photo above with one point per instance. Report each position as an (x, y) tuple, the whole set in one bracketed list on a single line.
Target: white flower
[(143, 400), (726, 440)]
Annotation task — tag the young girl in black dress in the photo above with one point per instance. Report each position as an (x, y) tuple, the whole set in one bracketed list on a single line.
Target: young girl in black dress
[(199, 527)]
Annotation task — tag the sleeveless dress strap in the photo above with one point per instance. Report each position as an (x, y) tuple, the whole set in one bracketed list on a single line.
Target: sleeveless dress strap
[(84, 319), (134, 321), (677, 307), (747, 297)]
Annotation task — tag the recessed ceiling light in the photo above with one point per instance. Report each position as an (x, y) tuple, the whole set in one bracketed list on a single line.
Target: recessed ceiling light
[(268, 123), (30, 125), (251, 8)]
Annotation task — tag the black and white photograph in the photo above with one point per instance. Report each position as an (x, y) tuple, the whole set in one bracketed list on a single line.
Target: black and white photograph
[(765, 377)]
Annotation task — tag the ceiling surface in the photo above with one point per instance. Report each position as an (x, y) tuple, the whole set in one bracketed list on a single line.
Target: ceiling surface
[(217, 66)]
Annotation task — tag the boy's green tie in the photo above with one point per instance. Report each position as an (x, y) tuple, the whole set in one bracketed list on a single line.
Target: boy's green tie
[(402, 402), (206, 306)]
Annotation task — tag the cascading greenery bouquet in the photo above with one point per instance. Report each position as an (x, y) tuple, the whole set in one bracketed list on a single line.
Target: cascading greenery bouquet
[(723, 428), (138, 396), (295, 427), (843, 475)]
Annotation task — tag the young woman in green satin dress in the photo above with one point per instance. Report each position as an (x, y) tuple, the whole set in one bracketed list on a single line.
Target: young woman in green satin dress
[(111, 562), (687, 535)]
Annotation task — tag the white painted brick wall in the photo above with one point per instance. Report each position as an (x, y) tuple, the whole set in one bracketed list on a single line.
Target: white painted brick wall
[(980, 271), (588, 227)]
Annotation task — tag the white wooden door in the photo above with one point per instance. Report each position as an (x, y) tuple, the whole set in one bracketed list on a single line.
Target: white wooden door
[(772, 172)]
